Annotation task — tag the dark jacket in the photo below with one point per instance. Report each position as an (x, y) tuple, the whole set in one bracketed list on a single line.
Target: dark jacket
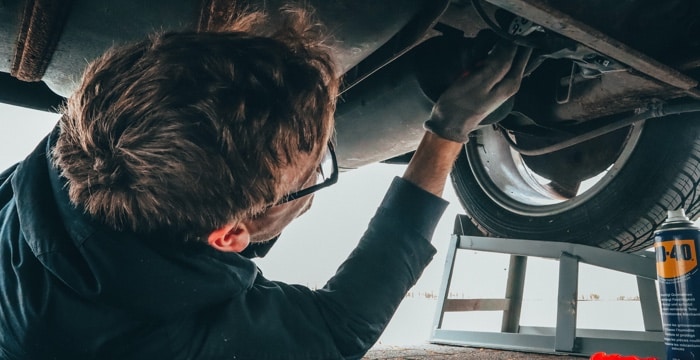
[(73, 289)]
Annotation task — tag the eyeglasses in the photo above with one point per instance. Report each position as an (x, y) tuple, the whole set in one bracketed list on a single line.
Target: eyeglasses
[(327, 175)]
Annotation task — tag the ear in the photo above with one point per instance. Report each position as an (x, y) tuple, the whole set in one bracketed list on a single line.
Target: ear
[(230, 238)]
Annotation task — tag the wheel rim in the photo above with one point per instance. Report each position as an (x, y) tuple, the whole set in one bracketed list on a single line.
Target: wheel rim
[(504, 177)]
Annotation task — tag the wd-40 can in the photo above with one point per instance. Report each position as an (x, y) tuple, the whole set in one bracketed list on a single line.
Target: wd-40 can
[(676, 244)]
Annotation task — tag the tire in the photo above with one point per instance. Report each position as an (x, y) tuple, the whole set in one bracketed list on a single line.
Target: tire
[(658, 169)]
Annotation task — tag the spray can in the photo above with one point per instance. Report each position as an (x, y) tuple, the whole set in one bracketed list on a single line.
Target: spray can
[(676, 244)]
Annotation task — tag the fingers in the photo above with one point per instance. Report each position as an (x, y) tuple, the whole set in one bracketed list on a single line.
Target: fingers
[(510, 83), (497, 65), (521, 60)]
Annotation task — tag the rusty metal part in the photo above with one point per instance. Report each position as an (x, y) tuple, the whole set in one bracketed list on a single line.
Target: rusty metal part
[(655, 111), (40, 29), (540, 12), (610, 94), (664, 30)]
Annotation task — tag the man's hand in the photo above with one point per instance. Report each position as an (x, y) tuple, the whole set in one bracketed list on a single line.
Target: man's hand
[(461, 108)]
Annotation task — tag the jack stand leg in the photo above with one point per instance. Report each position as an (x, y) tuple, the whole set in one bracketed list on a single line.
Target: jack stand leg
[(514, 293), (651, 313), (567, 303), (446, 280)]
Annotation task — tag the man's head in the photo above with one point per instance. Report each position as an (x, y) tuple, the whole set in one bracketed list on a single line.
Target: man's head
[(192, 131)]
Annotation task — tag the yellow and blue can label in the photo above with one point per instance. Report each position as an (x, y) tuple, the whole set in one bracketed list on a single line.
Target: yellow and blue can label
[(675, 258)]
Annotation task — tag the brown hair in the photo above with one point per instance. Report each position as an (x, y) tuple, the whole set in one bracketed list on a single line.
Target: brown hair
[(189, 131)]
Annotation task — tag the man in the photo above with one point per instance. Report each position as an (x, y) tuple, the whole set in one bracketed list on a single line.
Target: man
[(122, 233)]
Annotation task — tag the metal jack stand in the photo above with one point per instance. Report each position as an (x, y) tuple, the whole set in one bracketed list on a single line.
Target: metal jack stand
[(564, 337)]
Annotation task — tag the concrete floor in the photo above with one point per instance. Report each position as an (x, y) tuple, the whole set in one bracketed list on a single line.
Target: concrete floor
[(440, 352)]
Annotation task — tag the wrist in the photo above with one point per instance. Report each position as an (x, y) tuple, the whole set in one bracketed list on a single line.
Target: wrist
[(453, 128), (432, 162)]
